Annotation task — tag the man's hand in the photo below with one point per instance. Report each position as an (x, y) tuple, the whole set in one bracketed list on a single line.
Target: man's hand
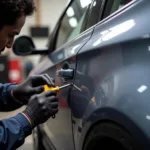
[(41, 107), (33, 85)]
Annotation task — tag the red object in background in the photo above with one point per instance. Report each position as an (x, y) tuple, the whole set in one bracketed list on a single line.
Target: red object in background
[(14, 71)]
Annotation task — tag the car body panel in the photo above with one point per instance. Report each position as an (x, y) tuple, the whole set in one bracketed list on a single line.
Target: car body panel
[(42, 66), (111, 62), (60, 128), (115, 73)]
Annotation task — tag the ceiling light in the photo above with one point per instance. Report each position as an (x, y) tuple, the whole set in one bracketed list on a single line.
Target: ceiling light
[(70, 12), (73, 22), (85, 3)]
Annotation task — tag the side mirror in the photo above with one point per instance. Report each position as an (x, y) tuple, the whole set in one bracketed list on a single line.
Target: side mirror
[(24, 46)]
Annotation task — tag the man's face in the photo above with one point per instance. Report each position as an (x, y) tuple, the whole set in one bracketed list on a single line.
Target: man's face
[(7, 33)]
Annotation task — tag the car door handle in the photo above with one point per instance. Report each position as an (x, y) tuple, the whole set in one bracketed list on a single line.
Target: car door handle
[(65, 73)]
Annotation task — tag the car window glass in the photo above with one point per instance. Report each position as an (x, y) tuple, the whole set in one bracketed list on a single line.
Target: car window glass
[(72, 21), (76, 31), (114, 5)]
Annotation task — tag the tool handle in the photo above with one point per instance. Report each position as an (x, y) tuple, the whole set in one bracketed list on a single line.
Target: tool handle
[(46, 88)]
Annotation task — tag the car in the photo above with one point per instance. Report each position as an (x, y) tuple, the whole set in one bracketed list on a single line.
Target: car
[(101, 48)]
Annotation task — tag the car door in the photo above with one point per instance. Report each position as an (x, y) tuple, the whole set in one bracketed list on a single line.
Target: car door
[(79, 99), (97, 60), (69, 38)]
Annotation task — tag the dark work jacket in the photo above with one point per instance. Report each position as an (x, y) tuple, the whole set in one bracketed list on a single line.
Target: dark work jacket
[(13, 131)]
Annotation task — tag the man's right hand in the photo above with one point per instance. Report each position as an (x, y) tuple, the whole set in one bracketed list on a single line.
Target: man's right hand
[(33, 85), (41, 107)]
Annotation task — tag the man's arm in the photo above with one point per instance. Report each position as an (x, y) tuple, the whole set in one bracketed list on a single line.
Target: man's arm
[(13, 96), (7, 102), (40, 108), (13, 132)]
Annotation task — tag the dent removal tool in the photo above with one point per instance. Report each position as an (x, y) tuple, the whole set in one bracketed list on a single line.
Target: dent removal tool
[(56, 88)]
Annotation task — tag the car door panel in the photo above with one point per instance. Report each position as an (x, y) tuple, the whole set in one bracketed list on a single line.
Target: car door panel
[(61, 126), (106, 60), (67, 40), (42, 66), (117, 49)]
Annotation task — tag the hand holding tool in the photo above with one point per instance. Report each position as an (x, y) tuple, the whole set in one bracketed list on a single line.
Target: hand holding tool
[(33, 85), (41, 107), (56, 88)]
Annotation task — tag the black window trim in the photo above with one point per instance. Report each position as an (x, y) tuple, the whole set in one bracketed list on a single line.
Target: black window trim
[(86, 18), (100, 13), (116, 12), (101, 20)]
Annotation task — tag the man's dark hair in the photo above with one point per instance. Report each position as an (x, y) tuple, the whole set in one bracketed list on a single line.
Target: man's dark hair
[(11, 10)]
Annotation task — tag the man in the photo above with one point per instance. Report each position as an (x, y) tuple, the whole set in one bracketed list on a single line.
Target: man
[(40, 105)]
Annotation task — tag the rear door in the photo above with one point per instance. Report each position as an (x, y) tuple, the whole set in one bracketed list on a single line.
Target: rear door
[(69, 38)]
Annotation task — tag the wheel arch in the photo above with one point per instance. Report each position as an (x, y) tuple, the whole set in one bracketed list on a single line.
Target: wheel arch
[(110, 115)]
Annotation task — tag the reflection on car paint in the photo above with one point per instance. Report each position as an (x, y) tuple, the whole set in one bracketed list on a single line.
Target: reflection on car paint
[(115, 31)]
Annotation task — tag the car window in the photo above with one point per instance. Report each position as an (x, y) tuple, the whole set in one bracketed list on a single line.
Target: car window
[(114, 5), (72, 21)]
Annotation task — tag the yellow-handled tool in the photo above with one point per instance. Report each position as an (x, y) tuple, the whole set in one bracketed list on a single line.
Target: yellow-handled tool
[(56, 88)]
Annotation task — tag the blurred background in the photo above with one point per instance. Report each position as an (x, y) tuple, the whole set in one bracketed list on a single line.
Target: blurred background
[(39, 26)]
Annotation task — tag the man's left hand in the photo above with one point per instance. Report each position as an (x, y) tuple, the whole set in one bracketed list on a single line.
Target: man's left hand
[(33, 85)]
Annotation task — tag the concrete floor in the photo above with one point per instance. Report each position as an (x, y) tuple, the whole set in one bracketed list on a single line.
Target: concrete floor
[(28, 142)]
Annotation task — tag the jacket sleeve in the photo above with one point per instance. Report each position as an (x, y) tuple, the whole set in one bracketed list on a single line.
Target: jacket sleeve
[(13, 132), (7, 103)]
